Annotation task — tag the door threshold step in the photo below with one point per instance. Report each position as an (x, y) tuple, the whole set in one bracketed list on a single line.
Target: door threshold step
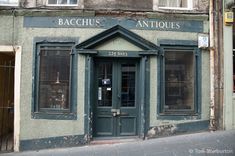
[(103, 141)]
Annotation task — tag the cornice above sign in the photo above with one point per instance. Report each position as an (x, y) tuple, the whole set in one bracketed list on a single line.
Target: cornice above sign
[(108, 22)]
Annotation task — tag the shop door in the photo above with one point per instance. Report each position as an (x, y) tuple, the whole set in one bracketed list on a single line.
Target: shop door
[(116, 107)]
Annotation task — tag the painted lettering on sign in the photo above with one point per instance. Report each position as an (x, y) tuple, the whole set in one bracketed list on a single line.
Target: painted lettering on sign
[(158, 24), (117, 53), (79, 22)]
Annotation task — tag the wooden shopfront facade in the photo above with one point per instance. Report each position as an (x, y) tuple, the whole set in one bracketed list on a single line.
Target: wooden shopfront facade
[(85, 78)]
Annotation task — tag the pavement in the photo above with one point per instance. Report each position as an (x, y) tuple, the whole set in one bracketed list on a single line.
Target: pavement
[(219, 143)]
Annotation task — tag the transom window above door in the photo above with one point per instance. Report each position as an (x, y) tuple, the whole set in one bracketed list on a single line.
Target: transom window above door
[(9, 2), (175, 4), (62, 2)]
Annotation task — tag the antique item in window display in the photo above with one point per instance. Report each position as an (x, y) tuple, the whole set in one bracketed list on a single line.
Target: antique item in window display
[(58, 95)]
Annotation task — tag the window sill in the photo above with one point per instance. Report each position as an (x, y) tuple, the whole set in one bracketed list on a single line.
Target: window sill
[(60, 5), (10, 5), (54, 116), (188, 116), (174, 8)]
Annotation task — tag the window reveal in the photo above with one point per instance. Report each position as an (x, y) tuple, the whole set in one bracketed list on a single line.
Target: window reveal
[(54, 76), (179, 81)]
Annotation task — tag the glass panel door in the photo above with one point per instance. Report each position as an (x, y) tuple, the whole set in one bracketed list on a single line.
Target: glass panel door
[(115, 112)]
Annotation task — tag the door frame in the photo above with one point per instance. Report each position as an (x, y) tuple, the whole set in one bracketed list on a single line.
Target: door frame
[(143, 82), (17, 50)]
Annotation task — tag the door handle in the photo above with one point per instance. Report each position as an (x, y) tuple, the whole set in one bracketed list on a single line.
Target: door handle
[(119, 96), (115, 112)]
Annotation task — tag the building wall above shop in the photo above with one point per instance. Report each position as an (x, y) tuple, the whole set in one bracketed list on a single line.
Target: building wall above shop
[(119, 4), (196, 6)]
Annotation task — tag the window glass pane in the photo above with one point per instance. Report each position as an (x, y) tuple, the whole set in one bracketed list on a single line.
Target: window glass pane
[(8, 1), (162, 3), (54, 76), (52, 1), (62, 2), (173, 3), (184, 4), (73, 1), (105, 84), (128, 85), (179, 81)]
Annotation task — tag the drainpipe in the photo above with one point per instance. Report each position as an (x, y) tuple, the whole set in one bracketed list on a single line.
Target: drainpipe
[(212, 67)]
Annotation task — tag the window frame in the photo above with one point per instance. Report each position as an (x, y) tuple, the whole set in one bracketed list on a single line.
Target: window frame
[(177, 114), (62, 4), (190, 7), (71, 113), (9, 4)]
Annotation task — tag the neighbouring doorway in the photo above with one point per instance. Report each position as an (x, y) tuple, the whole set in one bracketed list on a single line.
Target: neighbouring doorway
[(7, 65), (116, 105)]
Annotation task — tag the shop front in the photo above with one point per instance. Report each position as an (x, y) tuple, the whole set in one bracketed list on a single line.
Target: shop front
[(88, 78)]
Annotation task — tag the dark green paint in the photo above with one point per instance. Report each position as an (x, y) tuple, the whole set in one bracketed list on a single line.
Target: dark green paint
[(142, 95), (115, 53), (52, 142), (196, 126), (88, 98), (185, 43), (147, 97), (54, 116), (126, 124)]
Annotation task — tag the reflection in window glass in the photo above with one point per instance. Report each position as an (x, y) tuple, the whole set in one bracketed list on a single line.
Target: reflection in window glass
[(54, 76), (179, 81)]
